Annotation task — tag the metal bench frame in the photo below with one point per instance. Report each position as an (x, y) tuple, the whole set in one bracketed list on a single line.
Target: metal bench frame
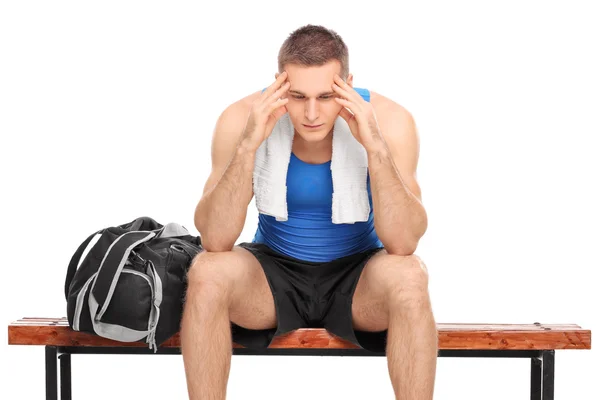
[(542, 363), (536, 341)]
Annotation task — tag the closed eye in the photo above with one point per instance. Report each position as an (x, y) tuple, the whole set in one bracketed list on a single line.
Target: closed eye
[(322, 97)]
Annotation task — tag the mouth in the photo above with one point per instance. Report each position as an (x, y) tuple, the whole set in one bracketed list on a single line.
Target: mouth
[(311, 126)]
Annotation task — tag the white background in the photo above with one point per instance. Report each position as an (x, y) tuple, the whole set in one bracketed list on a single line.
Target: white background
[(107, 111)]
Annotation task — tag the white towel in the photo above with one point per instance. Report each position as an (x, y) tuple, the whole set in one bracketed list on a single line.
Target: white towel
[(349, 165)]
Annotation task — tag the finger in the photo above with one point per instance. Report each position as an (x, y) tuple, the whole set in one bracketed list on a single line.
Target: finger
[(348, 95), (348, 111), (275, 85), (278, 112), (347, 115), (275, 96), (347, 103), (340, 91), (349, 118), (349, 90), (277, 104), (275, 115), (345, 94)]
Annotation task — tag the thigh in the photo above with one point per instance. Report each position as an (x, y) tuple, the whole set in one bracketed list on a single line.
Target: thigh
[(251, 303), (383, 275), (369, 305)]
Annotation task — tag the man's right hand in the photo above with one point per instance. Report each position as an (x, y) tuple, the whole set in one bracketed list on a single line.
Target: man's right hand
[(265, 113)]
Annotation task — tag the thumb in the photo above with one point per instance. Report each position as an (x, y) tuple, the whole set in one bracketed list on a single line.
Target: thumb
[(279, 111), (274, 117), (348, 117)]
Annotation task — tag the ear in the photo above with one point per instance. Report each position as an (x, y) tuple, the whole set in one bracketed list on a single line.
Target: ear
[(276, 75)]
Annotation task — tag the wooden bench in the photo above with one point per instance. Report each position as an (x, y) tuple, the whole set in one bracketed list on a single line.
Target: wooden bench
[(537, 342)]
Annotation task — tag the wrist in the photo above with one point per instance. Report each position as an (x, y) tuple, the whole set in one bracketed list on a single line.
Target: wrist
[(376, 147), (247, 146)]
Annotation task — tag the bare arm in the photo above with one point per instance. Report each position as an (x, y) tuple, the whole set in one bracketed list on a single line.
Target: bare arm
[(221, 212), (393, 152), (400, 218), (240, 130)]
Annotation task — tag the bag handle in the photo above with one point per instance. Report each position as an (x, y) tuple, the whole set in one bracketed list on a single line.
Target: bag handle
[(112, 264), (116, 256), (75, 261), (135, 225)]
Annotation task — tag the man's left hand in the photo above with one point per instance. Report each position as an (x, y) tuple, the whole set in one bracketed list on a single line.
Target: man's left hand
[(362, 120)]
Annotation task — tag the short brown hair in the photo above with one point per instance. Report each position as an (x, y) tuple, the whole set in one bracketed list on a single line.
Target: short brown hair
[(313, 45)]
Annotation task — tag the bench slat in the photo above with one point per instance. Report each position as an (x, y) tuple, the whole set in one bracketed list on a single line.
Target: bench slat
[(443, 326), (56, 332)]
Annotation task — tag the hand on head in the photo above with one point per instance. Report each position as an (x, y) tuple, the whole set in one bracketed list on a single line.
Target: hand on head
[(265, 112)]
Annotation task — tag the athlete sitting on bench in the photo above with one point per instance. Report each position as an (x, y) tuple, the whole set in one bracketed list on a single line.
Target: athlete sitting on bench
[(360, 281)]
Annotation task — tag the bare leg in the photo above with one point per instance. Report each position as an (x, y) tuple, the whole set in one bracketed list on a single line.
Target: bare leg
[(412, 346), (206, 342), (222, 287), (392, 293)]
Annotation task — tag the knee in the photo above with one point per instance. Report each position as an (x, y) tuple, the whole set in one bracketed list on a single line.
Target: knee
[(407, 280), (207, 276)]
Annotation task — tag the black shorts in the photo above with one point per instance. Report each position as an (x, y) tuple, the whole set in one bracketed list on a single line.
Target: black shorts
[(310, 295)]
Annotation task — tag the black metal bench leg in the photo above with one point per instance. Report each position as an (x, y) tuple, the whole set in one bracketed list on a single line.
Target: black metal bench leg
[(51, 374), (536, 378), (542, 376), (65, 376), (548, 375)]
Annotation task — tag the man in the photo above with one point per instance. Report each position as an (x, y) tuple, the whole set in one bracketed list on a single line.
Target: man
[(360, 281)]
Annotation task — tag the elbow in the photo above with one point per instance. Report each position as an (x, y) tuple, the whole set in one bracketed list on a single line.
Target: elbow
[(200, 228), (216, 246), (400, 246), (400, 249), (211, 241), (200, 217), (406, 245)]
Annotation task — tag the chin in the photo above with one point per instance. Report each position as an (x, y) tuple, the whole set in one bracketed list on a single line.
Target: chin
[(314, 135)]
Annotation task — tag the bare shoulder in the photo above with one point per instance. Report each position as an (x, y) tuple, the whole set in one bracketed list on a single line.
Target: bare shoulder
[(394, 119), (248, 100), (386, 108), (236, 113), (400, 133), (231, 122), (226, 136)]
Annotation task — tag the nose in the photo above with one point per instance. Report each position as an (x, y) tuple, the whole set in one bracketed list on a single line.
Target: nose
[(311, 110)]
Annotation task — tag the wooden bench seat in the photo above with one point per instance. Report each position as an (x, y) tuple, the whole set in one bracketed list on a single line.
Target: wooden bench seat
[(535, 341), (56, 332)]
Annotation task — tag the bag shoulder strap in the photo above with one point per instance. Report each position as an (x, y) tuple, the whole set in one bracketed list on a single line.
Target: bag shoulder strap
[(75, 261), (117, 254), (112, 264)]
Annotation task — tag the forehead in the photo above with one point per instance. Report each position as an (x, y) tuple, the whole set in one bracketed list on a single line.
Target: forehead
[(312, 80)]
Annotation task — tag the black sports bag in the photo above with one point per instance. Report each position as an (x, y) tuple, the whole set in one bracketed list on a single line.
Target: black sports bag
[(131, 284)]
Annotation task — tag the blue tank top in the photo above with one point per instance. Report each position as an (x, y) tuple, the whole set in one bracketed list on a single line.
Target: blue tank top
[(309, 234)]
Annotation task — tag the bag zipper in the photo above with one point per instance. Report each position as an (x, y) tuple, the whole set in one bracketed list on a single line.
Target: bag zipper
[(138, 273)]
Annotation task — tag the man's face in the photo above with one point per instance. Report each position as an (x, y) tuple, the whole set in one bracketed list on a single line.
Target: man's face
[(311, 99)]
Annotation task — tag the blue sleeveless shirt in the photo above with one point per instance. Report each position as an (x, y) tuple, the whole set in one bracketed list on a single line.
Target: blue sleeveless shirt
[(309, 234)]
